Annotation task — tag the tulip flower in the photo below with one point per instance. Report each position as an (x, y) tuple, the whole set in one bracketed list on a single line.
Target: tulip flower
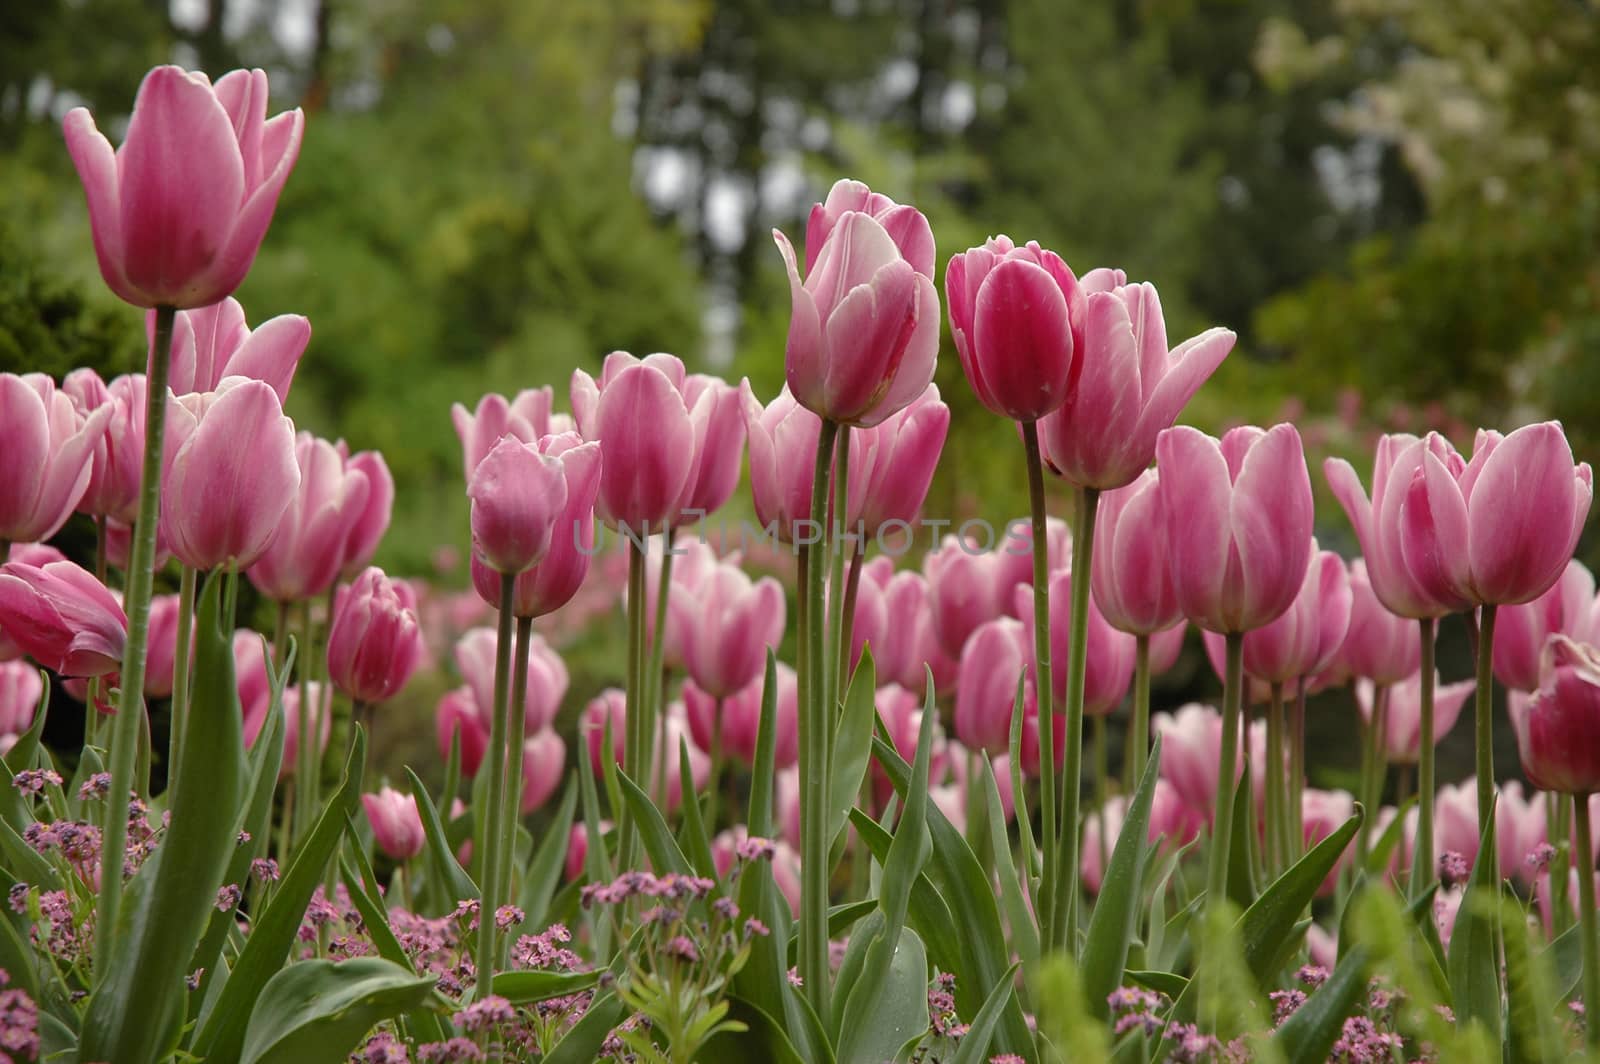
[(251, 681), (870, 619), (674, 728), (727, 623), (396, 824), (213, 342), (1127, 390), (1191, 742), (893, 463), (547, 677), (608, 708), (370, 521), (1519, 825), (1304, 639), (966, 588), (49, 448), (864, 327), (1017, 318), (647, 434), (901, 713), (321, 723), (992, 662), (529, 417), (1520, 631), (1379, 645), (180, 208), (374, 640), (692, 563), (905, 224), (544, 756), (458, 713), (1557, 728), (308, 550), (1169, 823), (163, 646), (21, 687), (1402, 715), (518, 495), (62, 617), (741, 719), (907, 648), (115, 470), (1131, 580), (1321, 814), (1108, 665), (783, 456), (1165, 647), (229, 474)]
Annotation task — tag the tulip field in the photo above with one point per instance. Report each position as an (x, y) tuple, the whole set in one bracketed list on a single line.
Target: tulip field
[(851, 796)]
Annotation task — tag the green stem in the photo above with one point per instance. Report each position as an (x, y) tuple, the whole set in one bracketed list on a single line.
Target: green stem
[(1277, 786), (852, 585), (838, 649), (1484, 714), (125, 728), (1372, 772), (511, 814), (1044, 688), (495, 757), (1072, 771), (815, 726), (1422, 852), (1297, 772), (99, 549), (636, 731), (1222, 817), (180, 678), (714, 784), (1102, 787), (655, 671), (1586, 920), (1140, 742), (1561, 837), (305, 761)]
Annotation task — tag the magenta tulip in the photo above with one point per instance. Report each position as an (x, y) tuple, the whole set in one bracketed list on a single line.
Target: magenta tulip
[(1129, 574), (727, 623), (374, 640), (741, 719), (529, 417), (638, 414), (1379, 645), (994, 659), (308, 550), (1521, 631), (1017, 317), (458, 713), (905, 224), (114, 477), (1127, 388), (544, 756), (1238, 516), (967, 588), (1305, 638), (893, 463), (1557, 728), (1108, 659), (21, 687), (179, 210), (1402, 713), (396, 824), (229, 474), (49, 449), (371, 521), (518, 496), (162, 649), (62, 617), (213, 342)]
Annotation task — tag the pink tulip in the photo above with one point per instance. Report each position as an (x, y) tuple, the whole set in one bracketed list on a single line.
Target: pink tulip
[(1379, 645), (1108, 659), (374, 640), (307, 552), (396, 824), (963, 763), (529, 417), (118, 456), (458, 712), (49, 449), (162, 647), (62, 617), (1169, 822), (518, 495), (553, 581), (228, 475), (1402, 714), (864, 328), (1129, 574), (992, 662), (1017, 317), (213, 342), (674, 730), (118, 539), (21, 687), (893, 463), (741, 719), (547, 676), (718, 419), (908, 646), (1191, 747), (1321, 814), (1128, 389), (1165, 646), (1303, 641), (901, 713), (967, 589), (647, 434), (609, 707), (1520, 631), (1238, 516), (371, 521), (1519, 820), (727, 623), (870, 622), (179, 210), (544, 756), (578, 848), (1400, 857), (251, 681), (905, 224), (783, 454), (321, 723), (693, 562), (1557, 728)]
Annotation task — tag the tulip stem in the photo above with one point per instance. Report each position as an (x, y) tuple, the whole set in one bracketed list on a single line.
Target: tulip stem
[(304, 759), (1072, 771), (1277, 804), (99, 548), (1222, 815), (126, 726), (714, 784), (1102, 785), (655, 674), (636, 730), (852, 586), (838, 645), (815, 726), (1422, 853), (1045, 690), (1586, 920), (511, 813), (489, 889), (1372, 771), (1297, 772), (1484, 713), (180, 679), (1139, 748), (1561, 862)]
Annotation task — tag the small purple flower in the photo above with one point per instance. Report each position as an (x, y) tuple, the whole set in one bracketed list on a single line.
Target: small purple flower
[(34, 780), (95, 787), (228, 898), (1453, 869)]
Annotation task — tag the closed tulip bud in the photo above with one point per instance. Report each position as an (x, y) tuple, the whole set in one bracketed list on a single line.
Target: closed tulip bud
[(214, 342), (49, 449), (1379, 645), (1304, 639), (458, 714), (864, 327), (1238, 515), (316, 696), (251, 681), (179, 210), (396, 824), (529, 417), (637, 413), (307, 552), (968, 587), (871, 617), (783, 456), (374, 640), (1016, 315), (62, 617), (118, 456), (994, 659), (741, 719), (1557, 728), (607, 709), (370, 521), (894, 463), (910, 646), (1520, 631), (727, 623), (552, 582), (21, 687), (518, 495), (718, 420), (162, 648), (1128, 388), (546, 684), (1108, 661), (544, 757), (228, 475), (1129, 574), (1402, 713)]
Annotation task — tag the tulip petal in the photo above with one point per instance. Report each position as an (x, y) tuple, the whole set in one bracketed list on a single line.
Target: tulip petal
[(272, 352), (803, 359), (865, 339), (1521, 515), (97, 170), (1195, 490), (1271, 517), (1022, 340)]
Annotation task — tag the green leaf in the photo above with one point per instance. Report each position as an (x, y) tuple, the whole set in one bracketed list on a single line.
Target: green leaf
[(1385, 845), (581, 1044), (1024, 932), (927, 912), (273, 935), (882, 1015), (1473, 963), (525, 988), (375, 917), (1268, 927), (974, 1047), (446, 868), (1116, 907), (1242, 855), (763, 1038), (544, 871), (653, 830), (1535, 1034), (1564, 957), (26, 863), (316, 1012), (852, 748), (138, 1007), (1308, 1035), (696, 845), (1168, 983), (842, 917), (759, 818)]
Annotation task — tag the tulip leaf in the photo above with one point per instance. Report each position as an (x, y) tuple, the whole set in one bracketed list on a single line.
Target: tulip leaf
[(316, 1012), (528, 987), (1534, 1033), (843, 917), (273, 935), (1030, 858), (659, 844), (1116, 908), (446, 868), (1242, 854), (1383, 848), (1270, 929), (762, 1039), (692, 835), (138, 1006), (1473, 959), (24, 862), (759, 817), (1564, 957), (974, 1047), (886, 1009), (1169, 983), (1308, 1035), (1024, 934), (852, 748), (544, 871), (927, 911)]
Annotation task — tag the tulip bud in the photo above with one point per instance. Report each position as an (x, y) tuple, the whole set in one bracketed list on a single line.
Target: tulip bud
[(727, 623), (992, 662), (544, 755), (321, 723), (528, 417), (893, 462), (1304, 639), (546, 684), (518, 495), (637, 414), (1557, 728), (49, 449), (1131, 579), (374, 641), (396, 824), (458, 713)]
